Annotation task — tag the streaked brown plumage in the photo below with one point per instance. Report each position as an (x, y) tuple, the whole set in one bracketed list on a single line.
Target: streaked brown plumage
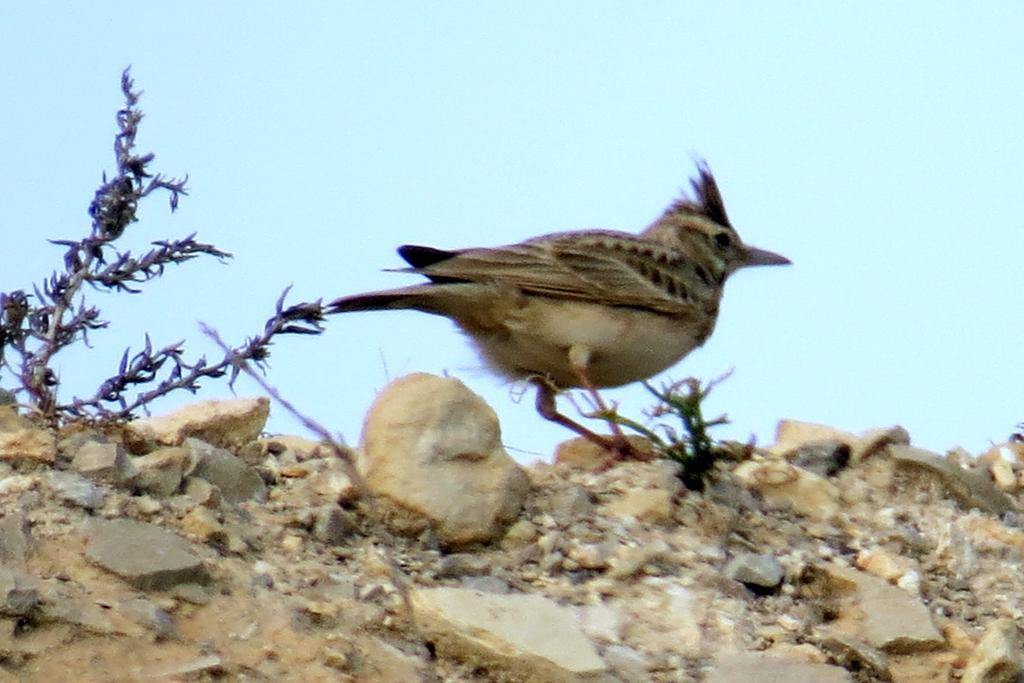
[(592, 308)]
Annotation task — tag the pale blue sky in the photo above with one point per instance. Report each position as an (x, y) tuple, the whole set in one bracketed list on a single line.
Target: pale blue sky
[(879, 147)]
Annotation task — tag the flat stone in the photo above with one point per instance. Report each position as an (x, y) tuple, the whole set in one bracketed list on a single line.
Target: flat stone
[(881, 614), (529, 636), (223, 423), (760, 572), (972, 487), (15, 538), (75, 489), (103, 462), (236, 480), (744, 667), (432, 450), (146, 556), (34, 445), (997, 657)]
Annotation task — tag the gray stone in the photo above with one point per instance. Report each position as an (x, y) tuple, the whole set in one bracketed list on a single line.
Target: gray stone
[(333, 525), (75, 489), (826, 458), (103, 462), (146, 613), (236, 480), (758, 572), (463, 564), (18, 593), (15, 538), (146, 556)]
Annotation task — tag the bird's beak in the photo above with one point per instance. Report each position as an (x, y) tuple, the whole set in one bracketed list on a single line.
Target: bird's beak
[(762, 257)]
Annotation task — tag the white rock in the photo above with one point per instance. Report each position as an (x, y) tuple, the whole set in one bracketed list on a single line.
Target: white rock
[(433, 448), (529, 636)]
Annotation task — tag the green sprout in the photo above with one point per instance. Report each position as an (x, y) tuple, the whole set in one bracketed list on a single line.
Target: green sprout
[(693, 449)]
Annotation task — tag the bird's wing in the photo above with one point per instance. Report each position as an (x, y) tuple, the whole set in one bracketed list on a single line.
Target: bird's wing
[(604, 267)]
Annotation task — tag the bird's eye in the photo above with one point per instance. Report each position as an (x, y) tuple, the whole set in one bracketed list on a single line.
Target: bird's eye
[(723, 240)]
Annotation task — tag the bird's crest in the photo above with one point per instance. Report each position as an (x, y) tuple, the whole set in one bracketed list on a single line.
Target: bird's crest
[(707, 200)]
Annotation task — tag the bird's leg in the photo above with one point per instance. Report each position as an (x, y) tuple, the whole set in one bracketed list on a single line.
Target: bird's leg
[(549, 411), (579, 359)]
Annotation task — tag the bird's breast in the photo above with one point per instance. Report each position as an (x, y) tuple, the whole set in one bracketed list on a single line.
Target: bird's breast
[(623, 344)]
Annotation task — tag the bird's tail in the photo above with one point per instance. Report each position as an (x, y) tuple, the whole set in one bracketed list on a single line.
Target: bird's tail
[(427, 297)]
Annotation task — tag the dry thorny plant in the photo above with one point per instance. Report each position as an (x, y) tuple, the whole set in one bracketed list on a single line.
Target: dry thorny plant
[(35, 327)]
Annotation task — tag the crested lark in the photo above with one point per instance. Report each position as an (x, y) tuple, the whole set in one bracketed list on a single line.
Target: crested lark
[(590, 309)]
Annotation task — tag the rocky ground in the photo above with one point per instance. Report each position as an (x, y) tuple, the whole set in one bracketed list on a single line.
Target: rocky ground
[(189, 548)]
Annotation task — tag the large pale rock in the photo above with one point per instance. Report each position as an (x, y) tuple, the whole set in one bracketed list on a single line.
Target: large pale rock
[(529, 636), (786, 485), (744, 667), (28, 444), (225, 423), (997, 658), (877, 612), (432, 448)]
